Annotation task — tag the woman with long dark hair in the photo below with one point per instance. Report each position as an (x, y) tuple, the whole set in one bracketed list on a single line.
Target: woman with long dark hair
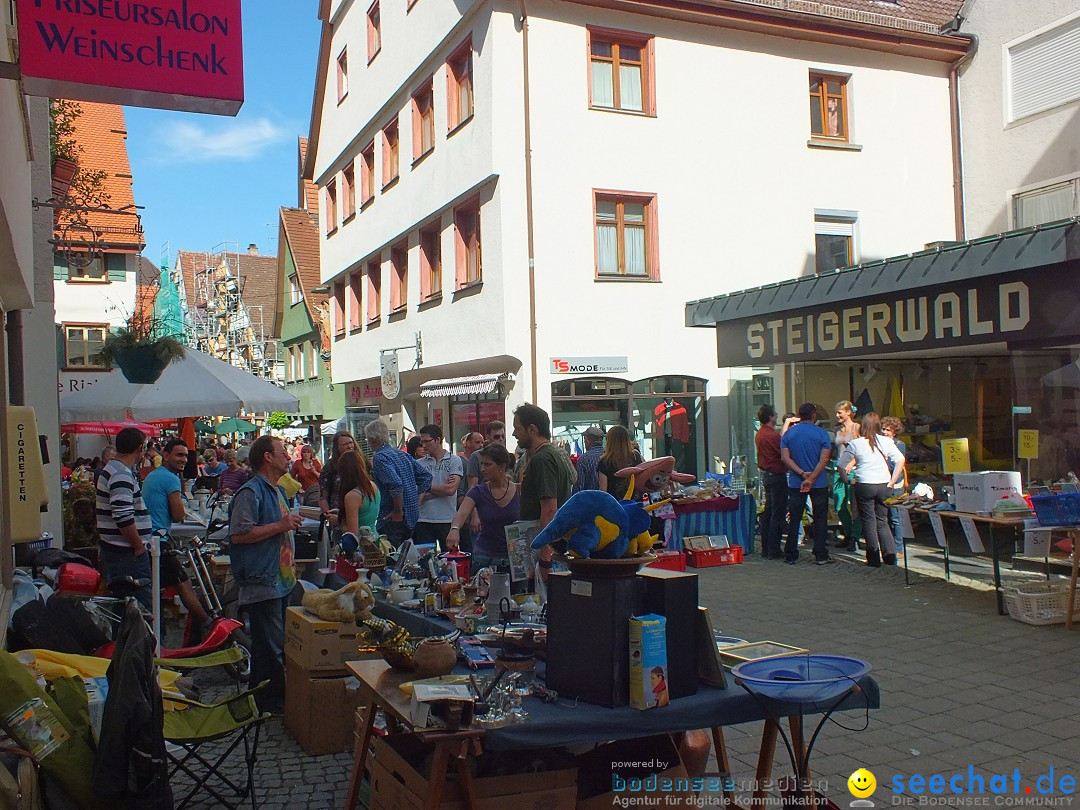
[(329, 488), (359, 495), (415, 448), (618, 454), (871, 455), (498, 504)]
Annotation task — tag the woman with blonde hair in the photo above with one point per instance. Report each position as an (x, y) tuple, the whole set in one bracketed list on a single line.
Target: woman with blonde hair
[(893, 427), (618, 453), (843, 497)]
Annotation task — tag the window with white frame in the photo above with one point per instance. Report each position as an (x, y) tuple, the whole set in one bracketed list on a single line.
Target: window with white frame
[(296, 293), (1047, 204), (834, 240), (1042, 70)]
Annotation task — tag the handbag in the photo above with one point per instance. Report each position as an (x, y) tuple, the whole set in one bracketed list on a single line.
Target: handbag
[(21, 791)]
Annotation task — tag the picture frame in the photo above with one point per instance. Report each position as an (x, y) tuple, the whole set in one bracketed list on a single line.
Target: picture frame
[(710, 669)]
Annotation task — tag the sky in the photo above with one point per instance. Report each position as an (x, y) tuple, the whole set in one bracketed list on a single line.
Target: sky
[(206, 180)]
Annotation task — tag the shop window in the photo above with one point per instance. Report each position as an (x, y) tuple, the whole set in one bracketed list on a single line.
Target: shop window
[(82, 345), (423, 106), (391, 157), (459, 87), (374, 31), (1046, 204), (834, 241), (620, 71), (828, 107), (561, 389), (626, 235)]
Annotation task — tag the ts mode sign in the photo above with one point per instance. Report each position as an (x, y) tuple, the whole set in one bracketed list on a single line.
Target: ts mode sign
[(589, 365)]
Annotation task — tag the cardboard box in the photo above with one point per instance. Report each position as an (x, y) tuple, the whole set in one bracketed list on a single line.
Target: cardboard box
[(319, 646), (979, 491), (397, 785), (644, 769), (648, 662), (319, 711)]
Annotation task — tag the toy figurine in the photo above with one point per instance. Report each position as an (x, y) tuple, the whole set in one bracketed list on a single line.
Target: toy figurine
[(594, 524), (652, 476)]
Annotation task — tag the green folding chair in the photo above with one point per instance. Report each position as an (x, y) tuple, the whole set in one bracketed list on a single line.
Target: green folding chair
[(234, 719)]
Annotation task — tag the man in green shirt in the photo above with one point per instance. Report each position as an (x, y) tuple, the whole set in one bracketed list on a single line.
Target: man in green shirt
[(546, 483)]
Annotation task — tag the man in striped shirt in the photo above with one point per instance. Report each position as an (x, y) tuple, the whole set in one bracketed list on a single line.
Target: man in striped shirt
[(123, 523)]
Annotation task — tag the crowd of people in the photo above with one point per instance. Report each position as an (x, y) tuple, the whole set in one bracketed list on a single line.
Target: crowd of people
[(870, 465)]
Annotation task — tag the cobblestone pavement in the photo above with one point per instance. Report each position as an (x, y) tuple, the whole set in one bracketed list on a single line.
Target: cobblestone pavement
[(960, 685)]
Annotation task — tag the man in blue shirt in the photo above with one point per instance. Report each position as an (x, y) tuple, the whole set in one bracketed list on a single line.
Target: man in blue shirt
[(805, 449), (400, 480)]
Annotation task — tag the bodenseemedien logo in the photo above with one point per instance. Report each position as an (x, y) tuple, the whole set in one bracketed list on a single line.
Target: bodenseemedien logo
[(861, 785)]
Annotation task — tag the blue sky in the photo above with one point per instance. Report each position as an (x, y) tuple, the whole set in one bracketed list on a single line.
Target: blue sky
[(208, 179)]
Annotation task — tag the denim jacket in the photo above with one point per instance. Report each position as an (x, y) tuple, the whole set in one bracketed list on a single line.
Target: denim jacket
[(257, 563)]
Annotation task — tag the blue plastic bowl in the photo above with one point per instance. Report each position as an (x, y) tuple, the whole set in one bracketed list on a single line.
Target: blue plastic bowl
[(801, 678)]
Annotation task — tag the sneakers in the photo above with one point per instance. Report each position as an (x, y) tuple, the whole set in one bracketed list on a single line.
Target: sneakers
[(826, 561)]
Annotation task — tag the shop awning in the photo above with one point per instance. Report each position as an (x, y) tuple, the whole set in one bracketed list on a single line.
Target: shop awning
[(455, 386)]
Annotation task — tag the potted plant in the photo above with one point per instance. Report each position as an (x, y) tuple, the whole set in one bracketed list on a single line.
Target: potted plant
[(140, 353)]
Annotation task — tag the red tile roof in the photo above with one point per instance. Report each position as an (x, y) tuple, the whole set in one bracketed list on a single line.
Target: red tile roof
[(100, 135), (302, 231)]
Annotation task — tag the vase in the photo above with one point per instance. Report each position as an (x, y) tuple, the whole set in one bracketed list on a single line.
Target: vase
[(140, 364), (434, 656)]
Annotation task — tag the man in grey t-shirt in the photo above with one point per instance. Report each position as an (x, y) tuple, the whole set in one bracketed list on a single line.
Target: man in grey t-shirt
[(437, 505)]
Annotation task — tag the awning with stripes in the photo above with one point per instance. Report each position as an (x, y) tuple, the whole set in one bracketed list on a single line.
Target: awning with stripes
[(455, 386)]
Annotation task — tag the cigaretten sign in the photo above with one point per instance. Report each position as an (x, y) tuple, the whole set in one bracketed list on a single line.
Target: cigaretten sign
[(24, 475), (170, 54)]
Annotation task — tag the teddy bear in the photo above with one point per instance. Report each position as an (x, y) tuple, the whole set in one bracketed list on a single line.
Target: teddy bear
[(347, 604)]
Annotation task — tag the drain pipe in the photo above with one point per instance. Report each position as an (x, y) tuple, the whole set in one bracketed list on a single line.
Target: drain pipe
[(16, 377), (954, 126), (529, 198)]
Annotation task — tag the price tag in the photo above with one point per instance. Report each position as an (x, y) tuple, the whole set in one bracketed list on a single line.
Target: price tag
[(905, 525), (971, 532), (955, 457), (1027, 443), (939, 530)]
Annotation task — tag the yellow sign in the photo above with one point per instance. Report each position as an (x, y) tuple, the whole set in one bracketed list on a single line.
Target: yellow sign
[(1027, 443), (24, 475), (955, 457)]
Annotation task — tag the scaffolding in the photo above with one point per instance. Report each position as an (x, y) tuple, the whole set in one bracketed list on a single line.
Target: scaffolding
[(221, 323)]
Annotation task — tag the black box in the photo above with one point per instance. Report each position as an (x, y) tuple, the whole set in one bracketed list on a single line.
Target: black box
[(674, 595), (588, 643)]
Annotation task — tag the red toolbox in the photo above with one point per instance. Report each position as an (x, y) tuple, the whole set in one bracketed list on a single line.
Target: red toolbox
[(670, 560), (698, 558)]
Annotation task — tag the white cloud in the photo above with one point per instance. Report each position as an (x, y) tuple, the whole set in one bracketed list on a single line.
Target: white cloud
[(236, 140)]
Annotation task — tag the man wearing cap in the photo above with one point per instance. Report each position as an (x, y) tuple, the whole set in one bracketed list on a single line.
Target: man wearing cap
[(587, 477), (805, 449)]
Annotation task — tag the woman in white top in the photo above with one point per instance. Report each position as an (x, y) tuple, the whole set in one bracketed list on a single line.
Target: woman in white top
[(870, 455)]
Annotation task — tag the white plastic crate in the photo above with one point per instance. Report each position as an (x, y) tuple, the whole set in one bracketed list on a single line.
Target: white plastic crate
[(1039, 602)]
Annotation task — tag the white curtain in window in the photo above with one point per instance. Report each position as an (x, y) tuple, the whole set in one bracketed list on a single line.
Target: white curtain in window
[(1045, 205), (603, 86), (607, 242), (634, 239), (630, 87)]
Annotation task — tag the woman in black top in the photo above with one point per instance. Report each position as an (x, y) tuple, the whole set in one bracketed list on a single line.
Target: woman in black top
[(618, 453), (329, 480)]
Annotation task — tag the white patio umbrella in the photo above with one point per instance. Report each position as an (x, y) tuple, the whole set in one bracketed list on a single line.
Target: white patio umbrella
[(197, 385)]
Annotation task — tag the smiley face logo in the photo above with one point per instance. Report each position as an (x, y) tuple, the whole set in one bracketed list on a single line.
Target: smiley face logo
[(862, 784)]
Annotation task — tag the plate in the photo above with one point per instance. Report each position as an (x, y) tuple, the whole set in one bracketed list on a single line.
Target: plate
[(622, 567), (411, 604)]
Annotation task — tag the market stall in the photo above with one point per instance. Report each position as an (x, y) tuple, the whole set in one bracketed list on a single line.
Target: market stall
[(730, 516)]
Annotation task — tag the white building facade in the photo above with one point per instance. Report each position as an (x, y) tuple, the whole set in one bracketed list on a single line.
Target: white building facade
[(537, 197)]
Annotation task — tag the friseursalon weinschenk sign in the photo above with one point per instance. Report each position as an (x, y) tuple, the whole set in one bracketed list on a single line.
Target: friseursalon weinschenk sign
[(170, 54), (1025, 307)]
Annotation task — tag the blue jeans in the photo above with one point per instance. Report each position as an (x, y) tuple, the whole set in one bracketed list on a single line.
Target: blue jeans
[(894, 523), (122, 562), (267, 619)]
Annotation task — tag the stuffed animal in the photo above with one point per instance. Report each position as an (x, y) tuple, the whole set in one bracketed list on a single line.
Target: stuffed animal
[(594, 524), (653, 476), (347, 604)]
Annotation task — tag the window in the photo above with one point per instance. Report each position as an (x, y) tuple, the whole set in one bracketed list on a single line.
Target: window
[(390, 154), (399, 281), (626, 235), (289, 364), (834, 241), (828, 107), (459, 87), (355, 280), (348, 192), (374, 31), (339, 310), (331, 206), (374, 290), (312, 355), (1046, 204), (296, 357), (620, 71), (467, 225), (342, 76), (430, 262), (83, 269), (1042, 70), (423, 121), (296, 292), (367, 178), (82, 345)]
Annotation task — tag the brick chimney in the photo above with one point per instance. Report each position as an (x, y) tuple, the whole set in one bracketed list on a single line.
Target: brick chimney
[(253, 249)]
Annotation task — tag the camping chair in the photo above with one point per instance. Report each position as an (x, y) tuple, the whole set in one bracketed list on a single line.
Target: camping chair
[(233, 720)]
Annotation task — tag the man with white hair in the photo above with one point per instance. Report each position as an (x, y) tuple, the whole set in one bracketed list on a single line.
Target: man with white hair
[(400, 480)]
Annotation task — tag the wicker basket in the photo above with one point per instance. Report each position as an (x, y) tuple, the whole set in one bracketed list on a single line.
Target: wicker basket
[(1039, 602)]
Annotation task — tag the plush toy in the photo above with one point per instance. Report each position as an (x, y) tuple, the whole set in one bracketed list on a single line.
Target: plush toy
[(652, 476), (594, 524), (347, 604)]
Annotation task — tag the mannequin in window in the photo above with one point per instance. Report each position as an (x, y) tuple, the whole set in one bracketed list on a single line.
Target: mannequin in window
[(672, 429)]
